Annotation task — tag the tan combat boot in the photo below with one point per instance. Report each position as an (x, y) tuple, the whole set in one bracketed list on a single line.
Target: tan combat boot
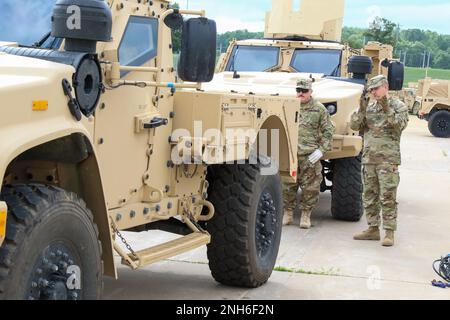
[(388, 239), (373, 233), (288, 217), (305, 221)]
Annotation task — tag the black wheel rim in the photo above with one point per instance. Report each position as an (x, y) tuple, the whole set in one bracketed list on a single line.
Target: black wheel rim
[(443, 125), (56, 275), (266, 223)]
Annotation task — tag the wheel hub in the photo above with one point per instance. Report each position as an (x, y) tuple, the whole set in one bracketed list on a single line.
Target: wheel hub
[(56, 291), (50, 277), (266, 222), (443, 125)]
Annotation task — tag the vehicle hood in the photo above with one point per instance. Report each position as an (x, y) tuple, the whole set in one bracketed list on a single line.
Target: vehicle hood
[(282, 84), (19, 73)]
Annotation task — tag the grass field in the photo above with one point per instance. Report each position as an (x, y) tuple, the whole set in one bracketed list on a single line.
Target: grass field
[(415, 74)]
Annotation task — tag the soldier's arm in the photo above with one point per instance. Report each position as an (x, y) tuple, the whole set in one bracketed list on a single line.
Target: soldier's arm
[(397, 116), (358, 121), (327, 130)]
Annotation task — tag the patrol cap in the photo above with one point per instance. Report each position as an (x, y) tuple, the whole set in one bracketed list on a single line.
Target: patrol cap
[(304, 83), (376, 82)]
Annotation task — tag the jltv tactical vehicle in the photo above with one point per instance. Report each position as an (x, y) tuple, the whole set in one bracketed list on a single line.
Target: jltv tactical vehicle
[(435, 105), (306, 43), (98, 136)]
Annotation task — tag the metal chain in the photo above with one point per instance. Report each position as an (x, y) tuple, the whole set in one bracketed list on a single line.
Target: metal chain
[(122, 238)]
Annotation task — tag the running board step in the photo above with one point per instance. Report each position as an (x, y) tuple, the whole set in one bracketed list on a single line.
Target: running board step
[(169, 249)]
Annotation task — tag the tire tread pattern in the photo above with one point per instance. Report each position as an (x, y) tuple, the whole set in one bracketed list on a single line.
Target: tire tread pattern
[(228, 253), (347, 189), (25, 203)]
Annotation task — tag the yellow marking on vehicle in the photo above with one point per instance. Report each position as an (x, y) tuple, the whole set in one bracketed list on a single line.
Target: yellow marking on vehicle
[(2, 224), (40, 105)]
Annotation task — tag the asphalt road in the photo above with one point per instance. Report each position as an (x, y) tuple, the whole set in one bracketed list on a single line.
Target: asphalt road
[(325, 262)]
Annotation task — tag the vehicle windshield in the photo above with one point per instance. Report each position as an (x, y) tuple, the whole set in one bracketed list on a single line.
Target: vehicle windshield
[(253, 58), (25, 21), (323, 61)]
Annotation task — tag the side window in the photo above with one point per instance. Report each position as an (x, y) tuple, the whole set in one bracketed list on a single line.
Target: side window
[(140, 41)]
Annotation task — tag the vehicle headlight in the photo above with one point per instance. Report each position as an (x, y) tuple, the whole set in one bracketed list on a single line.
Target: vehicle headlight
[(331, 107)]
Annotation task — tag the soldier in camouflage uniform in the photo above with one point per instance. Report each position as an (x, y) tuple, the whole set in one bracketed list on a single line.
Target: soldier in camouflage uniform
[(381, 122), (314, 140)]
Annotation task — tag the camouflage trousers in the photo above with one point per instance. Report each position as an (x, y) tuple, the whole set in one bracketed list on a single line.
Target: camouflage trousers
[(380, 194), (309, 178)]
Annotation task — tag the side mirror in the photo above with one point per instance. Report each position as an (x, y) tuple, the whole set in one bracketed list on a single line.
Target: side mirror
[(174, 20), (198, 50), (396, 74)]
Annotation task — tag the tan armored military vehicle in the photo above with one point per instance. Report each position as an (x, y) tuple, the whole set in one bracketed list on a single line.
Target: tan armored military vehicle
[(98, 134), (411, 97), (435, 105), (408, 96), (306, 43)]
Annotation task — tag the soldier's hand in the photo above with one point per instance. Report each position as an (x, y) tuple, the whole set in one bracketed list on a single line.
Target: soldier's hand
[(385, 104), (364, 100)]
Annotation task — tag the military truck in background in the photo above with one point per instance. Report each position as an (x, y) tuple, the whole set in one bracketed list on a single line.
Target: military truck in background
[(411, 97), (98, 136), (408, 95), (306, 43), (434, 99)]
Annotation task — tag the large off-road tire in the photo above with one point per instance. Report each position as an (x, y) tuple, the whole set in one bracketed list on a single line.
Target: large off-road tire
[(51, 250), (246, 228), (439, 124), (346, 194)]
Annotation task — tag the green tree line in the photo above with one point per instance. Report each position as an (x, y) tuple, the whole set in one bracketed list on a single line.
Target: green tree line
[(414, 44), (415, 47)]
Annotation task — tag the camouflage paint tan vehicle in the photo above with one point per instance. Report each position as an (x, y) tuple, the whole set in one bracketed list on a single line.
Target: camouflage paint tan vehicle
[(435, 105), (409, 96), (410, 99), (314, 50), (97, 136)]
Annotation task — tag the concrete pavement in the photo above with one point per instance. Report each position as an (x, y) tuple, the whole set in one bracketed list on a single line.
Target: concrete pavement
[(325, 262)]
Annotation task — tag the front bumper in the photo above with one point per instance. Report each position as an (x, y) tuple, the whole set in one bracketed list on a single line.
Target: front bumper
[(344, 147)]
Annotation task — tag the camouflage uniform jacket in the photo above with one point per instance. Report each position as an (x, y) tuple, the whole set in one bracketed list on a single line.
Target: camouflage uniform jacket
[(315, 128), (382, 131)]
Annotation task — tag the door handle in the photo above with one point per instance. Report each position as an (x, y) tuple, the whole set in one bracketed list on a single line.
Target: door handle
[(156, 122)]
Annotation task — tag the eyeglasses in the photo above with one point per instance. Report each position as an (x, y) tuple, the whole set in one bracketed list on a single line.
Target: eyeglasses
[(301, 90)]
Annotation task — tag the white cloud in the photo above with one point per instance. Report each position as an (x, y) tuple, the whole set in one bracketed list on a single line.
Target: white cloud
[(408, 13), (225, 24), (233, 15), (372, 12), (421, 16)]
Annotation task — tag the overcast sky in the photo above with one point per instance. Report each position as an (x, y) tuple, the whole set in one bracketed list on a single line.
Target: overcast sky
[(249, 14), (27, 20)]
